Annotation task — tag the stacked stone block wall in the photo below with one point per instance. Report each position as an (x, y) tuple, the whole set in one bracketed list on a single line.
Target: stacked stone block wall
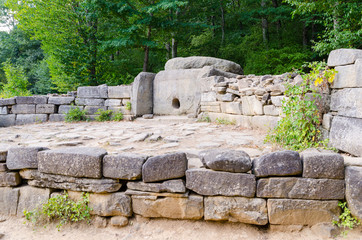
[(283, 188)]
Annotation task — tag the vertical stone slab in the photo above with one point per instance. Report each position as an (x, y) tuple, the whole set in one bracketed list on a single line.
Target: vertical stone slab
[(142, 94), (9, 198), (31, 198), (354, 190)]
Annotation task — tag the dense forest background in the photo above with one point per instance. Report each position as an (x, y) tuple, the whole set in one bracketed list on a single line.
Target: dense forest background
[(58, 45)]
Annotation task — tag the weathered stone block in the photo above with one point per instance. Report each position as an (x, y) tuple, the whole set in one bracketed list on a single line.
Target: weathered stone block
[(278, 100), (327, 121), (113, 103), (23, 109), (354, 190), (91, 110), (169, 207), (211, 108), (347, 102), (171, 186), (110, 204), (45, 108), (9, 198), (164, 167), (9, 179), (45, 180), (7, 120), (211, 183), (301, 212), (345, 135), (4, 110), (231, 107), (228, 97), (25, 100), (349, 76), (61, 100), (123, 91), (125, 166), (283, 163), (323, 165), (142, 94), (64, 109), (301, 188), (75, 162), (56, 117), (271, 110), (119, 221), (343, 56), (264, 123), (7, 101), (93, 92), (31, 197), (208, 97), (23, 157), (252, 106), (22, 119), (236, 209), (89, 101), (226, 160)]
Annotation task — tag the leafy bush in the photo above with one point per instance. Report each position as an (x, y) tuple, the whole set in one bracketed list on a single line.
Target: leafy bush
[(299, 129), (17, 82), (346, 220), (118, 116), (103, 115), (75, 115), (60, 208)]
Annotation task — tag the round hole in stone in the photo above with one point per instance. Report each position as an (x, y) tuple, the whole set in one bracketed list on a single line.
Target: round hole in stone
[(176, 103)]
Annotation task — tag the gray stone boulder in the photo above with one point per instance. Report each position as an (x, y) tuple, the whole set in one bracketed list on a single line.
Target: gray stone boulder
[(9, 179), (7, 101), (56, 117), (111, 204), (169, 207), (236, 209), (9, 198), (164, 167), (349, 76), (93, 92), (61, 100), (44, 180), (345, 135), (89, 101), (343, 56), (251, 106), (322, 165), (4, 110), (282, 163), (74, 162), (226, 160), (23, 109), (123, 91), (347, 102), (125, 166), (302, 212), (211, 183), (31, 198), (354, 190), (301, 188), (142, 94), (7, 120), (200, 62), (45, 108), (22, 119), (23, 157), (170, 186), (31, 100)]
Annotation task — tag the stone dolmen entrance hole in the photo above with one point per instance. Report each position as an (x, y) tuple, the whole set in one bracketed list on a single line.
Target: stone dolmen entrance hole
[(176, 103)]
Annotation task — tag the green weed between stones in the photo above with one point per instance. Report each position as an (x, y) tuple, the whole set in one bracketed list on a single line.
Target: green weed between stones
[(128, 106), (346, 220), (76, 115), (61, 209), (299, 129), (118, 116), (103, 115), (225, 121)]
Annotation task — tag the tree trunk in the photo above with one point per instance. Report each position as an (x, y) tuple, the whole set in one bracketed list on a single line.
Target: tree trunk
[(278, 23), (264, 25), (94, 50), (222, 23), (168, 50), (305, 37), (174, 48), (147, 51)]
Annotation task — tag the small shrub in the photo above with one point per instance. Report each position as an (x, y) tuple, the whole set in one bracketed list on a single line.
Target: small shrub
[(346, 220), (118, 116), (225, 121), (17, 82), (204, 118), (128, 106), (60, 208), (75, 115), (103, 115)]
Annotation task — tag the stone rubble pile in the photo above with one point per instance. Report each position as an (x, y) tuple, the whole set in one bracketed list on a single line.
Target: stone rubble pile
[(277, 188)]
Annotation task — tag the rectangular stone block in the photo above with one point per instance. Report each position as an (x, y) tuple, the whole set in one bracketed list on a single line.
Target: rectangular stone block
[(302, 212), (301, 188), (347, 102), (22, 119), (327, 121), (236, 209), (322, 165), (169, 207), (89, 101), (264, 123), (345, 135), (23, 157), (142, 94), (252, 106), (210, 183), (31, 198), (125, 166), (240, 120), (4, 110), (9, 198), (343, 56), (64, 109), (93, 92), (231, 107), (75, 162), (61, 100), (271, 110), (211, 108), (170, 186), (25, 100), (208, 97), (91, 110), (348, 76), (9, 179), (56, 117), (113, 103), (45, 108), (45, 180), (7, 101), (23, 109), (123, 91)]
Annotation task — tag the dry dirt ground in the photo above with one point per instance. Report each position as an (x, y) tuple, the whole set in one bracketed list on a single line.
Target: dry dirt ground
[(150, 137)]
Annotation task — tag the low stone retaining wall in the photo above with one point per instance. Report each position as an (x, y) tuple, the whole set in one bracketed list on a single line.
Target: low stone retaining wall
[(278, 188)]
